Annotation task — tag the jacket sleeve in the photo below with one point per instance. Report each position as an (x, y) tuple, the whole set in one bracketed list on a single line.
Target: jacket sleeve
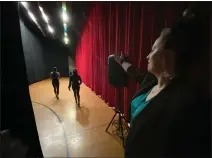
[(134, 72), (129, 115), (137, 74)]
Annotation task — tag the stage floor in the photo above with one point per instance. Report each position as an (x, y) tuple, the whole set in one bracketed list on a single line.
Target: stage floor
[(68, 131)]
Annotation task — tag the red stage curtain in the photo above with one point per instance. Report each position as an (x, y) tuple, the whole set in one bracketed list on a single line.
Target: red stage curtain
[(131, 27)]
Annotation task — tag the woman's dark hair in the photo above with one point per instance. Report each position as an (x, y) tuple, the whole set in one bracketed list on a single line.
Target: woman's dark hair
[(54, 68), (188, 38), (75, 72)]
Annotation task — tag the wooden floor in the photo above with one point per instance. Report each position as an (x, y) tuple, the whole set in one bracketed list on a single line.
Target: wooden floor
[(67, 131)]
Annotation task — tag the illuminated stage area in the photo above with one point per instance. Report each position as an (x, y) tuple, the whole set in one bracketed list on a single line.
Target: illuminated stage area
[(68, 131)]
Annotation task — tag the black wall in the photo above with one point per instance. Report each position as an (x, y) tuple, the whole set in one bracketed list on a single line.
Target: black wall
[(55, 54), (41, 54), (16, 108), (33, 53)]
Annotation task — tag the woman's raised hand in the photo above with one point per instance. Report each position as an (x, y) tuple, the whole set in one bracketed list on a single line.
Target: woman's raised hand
[(119, 58)]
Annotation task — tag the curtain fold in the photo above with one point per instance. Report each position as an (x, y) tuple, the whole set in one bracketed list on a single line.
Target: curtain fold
[(112, 27)]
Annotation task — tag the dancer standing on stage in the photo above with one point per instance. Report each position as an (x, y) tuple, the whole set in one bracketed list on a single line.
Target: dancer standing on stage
[(55, 81), (75, 81)]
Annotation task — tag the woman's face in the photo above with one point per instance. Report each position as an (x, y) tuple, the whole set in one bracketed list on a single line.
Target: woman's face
[(156, 57), (161, 60)]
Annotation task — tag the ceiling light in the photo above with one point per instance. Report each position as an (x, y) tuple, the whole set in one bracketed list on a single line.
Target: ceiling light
[(64, 7), (66, 40), (65, 17), (51, 30), (65, 34), (65, 29), (24, 4), (41, 9), (32, 17), (65, 25), (45, 17)]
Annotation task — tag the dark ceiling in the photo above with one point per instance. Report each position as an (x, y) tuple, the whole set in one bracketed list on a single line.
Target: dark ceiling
[(78, 12)]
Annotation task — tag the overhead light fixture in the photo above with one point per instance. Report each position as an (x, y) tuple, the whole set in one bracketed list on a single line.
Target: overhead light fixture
[(65, 17), (24, 4), (51, 30), (32, 17), (64, 7), (41, 9), (45, 17), (66, 40), (65, 20)]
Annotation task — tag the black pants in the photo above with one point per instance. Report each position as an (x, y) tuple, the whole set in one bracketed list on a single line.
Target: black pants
[(56, 86), (76, 90)]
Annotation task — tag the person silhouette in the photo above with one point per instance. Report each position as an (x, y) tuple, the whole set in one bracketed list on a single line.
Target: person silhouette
[(75, 81), (55, 81)]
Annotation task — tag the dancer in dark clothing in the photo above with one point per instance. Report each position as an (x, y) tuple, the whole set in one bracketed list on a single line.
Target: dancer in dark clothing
[(75, 81), (55, 81)]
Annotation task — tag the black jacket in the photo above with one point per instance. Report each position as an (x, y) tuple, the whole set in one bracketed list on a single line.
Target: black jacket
[(75, 81), (176, 122)]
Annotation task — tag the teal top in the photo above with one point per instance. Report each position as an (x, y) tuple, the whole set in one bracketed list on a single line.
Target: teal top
[(138, 104)]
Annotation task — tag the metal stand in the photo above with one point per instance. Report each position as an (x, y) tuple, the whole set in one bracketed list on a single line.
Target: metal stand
[(119, 128)]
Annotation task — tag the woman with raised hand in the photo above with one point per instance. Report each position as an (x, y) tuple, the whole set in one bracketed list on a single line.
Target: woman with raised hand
[(169, 116)]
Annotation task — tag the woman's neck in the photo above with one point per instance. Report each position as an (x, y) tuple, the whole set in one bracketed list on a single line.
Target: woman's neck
[(162, 81)]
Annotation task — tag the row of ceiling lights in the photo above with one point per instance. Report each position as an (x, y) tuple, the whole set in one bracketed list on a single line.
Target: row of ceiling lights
[(65, 20), (46, 19)]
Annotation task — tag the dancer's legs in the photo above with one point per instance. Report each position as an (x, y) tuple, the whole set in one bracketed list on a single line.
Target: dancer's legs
[(75, 94), (78, 95)]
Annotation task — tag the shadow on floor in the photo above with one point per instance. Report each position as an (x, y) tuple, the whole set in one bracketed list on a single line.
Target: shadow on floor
[(83, 115)]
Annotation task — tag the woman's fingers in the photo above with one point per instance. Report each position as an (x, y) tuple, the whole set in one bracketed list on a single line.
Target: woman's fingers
[(118, 58)]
